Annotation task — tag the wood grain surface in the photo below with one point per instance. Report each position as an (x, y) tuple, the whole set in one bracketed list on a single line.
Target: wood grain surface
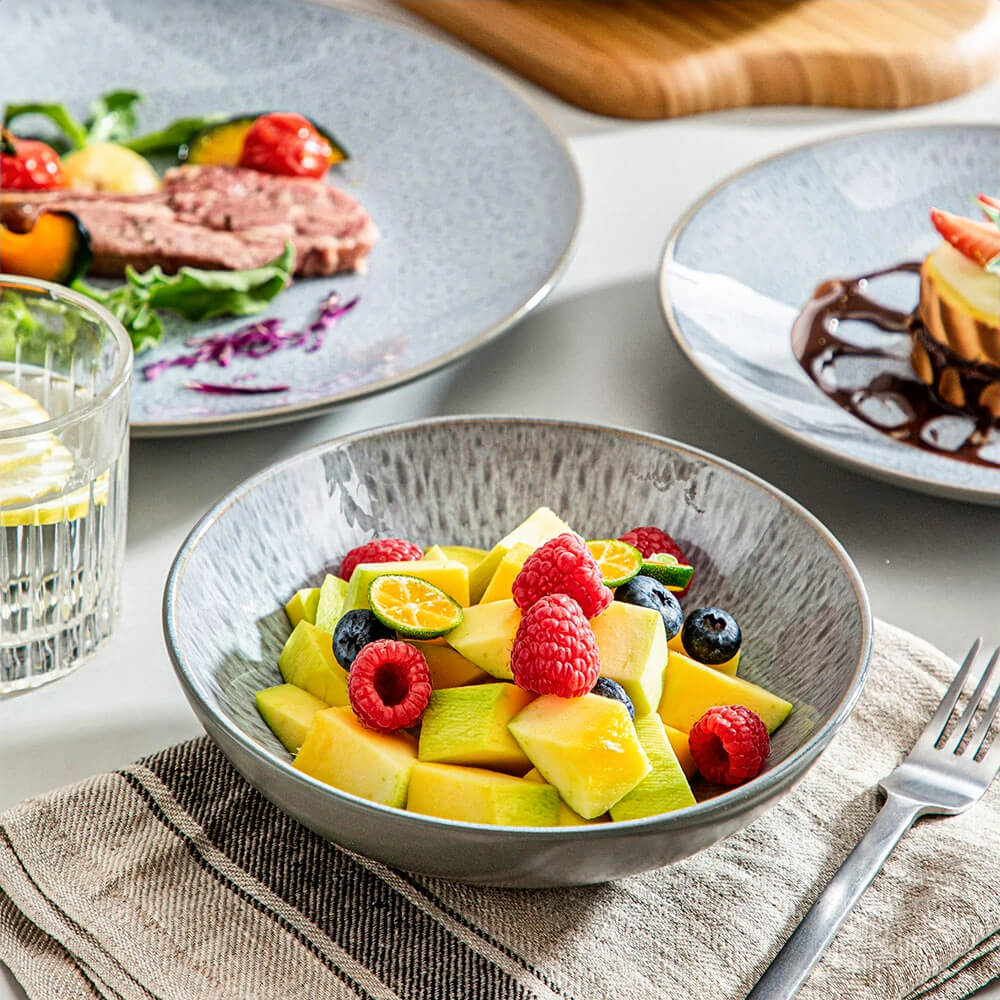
[(647, 59)]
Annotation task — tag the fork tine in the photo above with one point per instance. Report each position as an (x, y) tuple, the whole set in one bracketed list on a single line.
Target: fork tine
[(982, 731), (939, 720), (953, 741)]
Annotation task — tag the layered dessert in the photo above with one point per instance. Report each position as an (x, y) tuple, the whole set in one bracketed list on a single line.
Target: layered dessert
[(956, 344)]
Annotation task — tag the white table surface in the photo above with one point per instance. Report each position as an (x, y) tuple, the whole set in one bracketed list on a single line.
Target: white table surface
[(930, 564)]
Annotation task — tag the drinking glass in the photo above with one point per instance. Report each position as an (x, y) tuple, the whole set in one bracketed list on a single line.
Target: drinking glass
[(65, 374)]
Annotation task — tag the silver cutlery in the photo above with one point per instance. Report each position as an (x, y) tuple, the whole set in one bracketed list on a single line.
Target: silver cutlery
[(934, 780)]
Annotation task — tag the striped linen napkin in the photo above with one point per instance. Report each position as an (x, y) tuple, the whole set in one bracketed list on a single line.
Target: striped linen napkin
[(174, 880)]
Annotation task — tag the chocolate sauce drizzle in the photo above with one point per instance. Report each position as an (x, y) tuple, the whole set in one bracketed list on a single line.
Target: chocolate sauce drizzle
[(877, 384)]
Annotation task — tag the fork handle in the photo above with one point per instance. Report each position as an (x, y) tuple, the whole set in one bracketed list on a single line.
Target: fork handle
[(786, 974)]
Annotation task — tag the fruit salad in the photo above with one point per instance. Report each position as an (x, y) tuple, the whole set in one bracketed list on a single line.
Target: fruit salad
[(549, 681)]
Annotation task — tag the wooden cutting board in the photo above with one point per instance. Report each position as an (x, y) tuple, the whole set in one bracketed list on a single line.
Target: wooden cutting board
[(643, 59)]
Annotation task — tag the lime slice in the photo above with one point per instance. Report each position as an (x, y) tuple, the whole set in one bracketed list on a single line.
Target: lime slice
[(415, 608), (618, 560), (664, 567)]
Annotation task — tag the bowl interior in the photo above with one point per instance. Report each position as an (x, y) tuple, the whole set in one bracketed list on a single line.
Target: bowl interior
[(469, 481)]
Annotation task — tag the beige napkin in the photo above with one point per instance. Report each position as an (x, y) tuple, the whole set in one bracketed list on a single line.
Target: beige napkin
[(174, 880)]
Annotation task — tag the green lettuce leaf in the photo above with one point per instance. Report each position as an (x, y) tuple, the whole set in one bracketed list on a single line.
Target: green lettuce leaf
[(170, 138)]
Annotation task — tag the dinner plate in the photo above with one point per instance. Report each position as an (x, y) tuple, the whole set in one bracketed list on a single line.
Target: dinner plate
[(476, 199), (747, 257)]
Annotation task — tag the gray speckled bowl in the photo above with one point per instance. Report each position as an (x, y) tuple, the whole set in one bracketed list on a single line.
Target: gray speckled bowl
[(798, 596)]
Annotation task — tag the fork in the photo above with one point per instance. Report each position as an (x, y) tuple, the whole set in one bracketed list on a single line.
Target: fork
[(932, 780)]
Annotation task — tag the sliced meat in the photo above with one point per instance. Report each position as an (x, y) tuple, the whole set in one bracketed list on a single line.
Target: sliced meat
[(215, 218)]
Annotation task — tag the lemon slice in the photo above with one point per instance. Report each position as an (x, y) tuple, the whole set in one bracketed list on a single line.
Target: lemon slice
[(413, 607), (70, 507), (617, 560), (18, 405)]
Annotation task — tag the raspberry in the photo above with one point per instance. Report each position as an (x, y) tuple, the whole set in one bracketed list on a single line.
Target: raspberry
[(563, 565), (555, 651), (650, 540), (379, 551), (389, 685), (729, 744)]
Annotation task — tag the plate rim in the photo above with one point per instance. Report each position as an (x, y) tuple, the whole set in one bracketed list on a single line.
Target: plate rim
[(255, 419), (933, 486), (754, 793)]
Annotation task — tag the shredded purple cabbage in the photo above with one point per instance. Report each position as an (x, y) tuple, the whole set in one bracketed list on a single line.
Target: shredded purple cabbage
[(232, 388), (255, 340)]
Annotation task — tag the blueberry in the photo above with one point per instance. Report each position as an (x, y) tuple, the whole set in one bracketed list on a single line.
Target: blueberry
[(711, 635), (353, 632), (649, 593), (607, 688)]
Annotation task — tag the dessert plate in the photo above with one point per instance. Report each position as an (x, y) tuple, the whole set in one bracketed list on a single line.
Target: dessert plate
[(475, 198), (742, 263)]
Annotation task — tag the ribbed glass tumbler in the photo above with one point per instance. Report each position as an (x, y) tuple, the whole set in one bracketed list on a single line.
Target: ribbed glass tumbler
[(65, 374)]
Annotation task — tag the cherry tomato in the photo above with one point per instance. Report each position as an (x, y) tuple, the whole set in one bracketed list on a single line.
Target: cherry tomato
[(286, 143), (32, 166)]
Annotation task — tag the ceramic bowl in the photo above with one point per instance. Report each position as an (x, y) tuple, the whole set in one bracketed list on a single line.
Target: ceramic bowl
[(798, 596)]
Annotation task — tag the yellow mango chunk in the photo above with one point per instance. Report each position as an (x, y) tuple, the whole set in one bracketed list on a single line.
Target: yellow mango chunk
[(486, 636), (632, 643), (448, 575), (682, 750), (448, 667), (307, 661), (475, 795), (690, 689), (288, 712), (339, 751), (302, 606), (587, 748), (566, 815), (535, 530), (499, 587)]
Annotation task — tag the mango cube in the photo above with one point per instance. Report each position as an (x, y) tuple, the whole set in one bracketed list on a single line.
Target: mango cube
[(448, 667), (665, 788), (468, 725), (339, 751), (566, 815), (435, 554), (302, 606), (448, 575), (501, 583), (486, 636), (475, 795), (690, 689), (633, 646), (331, 603), (586, 747), (682, 750), (465, 554), (288, 712), (535, 530), (307, 661)]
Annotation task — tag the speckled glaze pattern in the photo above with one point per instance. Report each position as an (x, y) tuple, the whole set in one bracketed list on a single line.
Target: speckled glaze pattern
[(477, 201), (746, 258), (797, 595)]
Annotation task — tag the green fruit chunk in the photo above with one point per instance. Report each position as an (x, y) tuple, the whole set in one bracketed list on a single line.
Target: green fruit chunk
[(535, 530), (413, 607), (664, 567), (435, 554), (465, 554), (468, 725), (566, 815), (450, 576), (302, 606), (475, 795), (288, 712), (330, 606), (690, 689), (307, 661), (586, 747), (665, 788), (486, 636), (632, 643), (339, 751)]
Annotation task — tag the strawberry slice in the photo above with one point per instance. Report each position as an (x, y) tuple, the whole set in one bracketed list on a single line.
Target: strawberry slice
[(979, 241)]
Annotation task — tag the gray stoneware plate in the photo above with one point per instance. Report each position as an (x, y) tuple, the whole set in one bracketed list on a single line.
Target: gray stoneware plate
[(745, 259), (476, 199), (468, 480)]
